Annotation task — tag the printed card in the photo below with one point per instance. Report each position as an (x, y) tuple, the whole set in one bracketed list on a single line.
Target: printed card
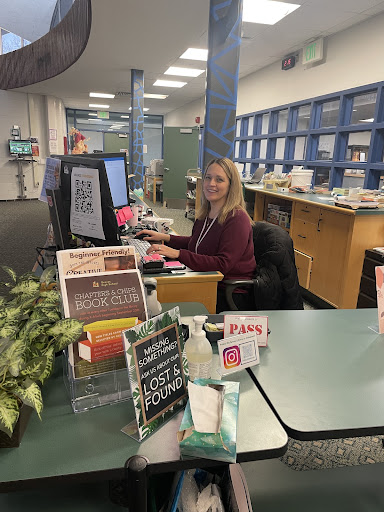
[(238, 352), (236, 324)]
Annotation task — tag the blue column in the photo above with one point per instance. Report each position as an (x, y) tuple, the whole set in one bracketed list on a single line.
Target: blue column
[(224, 39), (136, 132)]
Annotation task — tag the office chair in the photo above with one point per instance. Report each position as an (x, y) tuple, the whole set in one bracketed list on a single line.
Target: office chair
[(275, 284)]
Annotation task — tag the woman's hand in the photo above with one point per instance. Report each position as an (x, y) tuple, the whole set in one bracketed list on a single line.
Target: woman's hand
[(154, 236), (164, 250)]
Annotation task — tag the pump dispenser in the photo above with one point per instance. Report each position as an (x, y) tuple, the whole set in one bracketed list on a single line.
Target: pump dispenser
[(199, 351)]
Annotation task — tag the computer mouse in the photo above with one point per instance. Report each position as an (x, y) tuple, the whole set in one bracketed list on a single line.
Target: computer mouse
[(141, 236)]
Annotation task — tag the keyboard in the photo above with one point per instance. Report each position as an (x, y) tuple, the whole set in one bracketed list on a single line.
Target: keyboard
[(140, 246)]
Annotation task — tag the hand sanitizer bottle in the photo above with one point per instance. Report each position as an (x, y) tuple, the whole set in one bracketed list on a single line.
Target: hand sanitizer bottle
[(198, 351)]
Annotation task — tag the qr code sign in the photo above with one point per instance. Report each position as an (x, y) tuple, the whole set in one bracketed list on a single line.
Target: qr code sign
[(83, 197), (248, 352)]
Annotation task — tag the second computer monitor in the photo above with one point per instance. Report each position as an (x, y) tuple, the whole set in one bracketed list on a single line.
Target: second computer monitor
[(116, 167)]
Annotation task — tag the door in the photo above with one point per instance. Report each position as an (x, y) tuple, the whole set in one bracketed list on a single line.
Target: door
[(181, 152), (328, 263), (113, 143)]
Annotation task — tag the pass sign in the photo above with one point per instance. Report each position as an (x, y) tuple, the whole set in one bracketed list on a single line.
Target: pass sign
[(236, 324)]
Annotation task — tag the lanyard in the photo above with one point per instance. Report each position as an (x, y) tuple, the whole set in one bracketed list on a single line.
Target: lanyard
[(203, 232)]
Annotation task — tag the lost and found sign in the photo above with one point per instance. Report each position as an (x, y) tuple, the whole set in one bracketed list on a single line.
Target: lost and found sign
[(156, 370)]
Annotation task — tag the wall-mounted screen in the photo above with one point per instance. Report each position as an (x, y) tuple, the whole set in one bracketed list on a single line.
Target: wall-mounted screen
[(20, 147)]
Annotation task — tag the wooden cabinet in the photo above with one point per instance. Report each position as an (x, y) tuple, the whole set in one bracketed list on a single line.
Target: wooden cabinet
[(329, 243)]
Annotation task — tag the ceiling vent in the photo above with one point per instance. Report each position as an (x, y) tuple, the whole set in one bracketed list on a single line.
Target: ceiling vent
[(121, 94)]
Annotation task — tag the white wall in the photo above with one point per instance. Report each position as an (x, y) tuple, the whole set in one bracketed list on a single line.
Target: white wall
[(352, 58), (35, 114)]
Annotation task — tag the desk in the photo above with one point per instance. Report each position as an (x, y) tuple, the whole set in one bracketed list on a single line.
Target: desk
[(157, 180), (329, 241), (189, 287), (323, 373), (74, 448)]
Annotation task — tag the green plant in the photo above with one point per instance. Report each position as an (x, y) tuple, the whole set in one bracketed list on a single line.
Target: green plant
[(31, 332)]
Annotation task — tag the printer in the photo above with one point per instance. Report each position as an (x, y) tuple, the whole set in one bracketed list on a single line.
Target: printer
[(156, 167)]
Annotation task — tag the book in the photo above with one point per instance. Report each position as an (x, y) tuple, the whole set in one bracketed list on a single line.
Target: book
[(101, 351), (110, 300)]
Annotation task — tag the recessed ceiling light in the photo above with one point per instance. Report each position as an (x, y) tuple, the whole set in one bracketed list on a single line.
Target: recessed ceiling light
[(266, 12), (92, 113), (195, 54), (101, 95), (95, 105), (355, 110), (183, 71), (169, 83), (145, 109), (156, 96), (370, 120), (125, 117)]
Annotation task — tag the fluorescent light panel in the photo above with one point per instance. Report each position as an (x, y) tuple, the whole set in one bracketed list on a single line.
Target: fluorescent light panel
[(92, 113), (169, 83), (96, 105), (266, 12), (101, 95), (195, 54), (370, 120), (183, 71), (145, 110), (125, 117), (155, 96)]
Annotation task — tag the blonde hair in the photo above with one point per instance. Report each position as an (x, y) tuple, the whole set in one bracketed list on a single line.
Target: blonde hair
[(235, 199)]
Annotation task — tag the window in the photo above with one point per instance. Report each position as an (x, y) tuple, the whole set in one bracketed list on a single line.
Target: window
[(363, 108), (238, 128), (353, 178), (264, 124), (300, 147), (280, 145), (320, 142), (330, 114), (326, 147), (282, 121), (251, 123), (322, 176), (9, 42), (263, 148), (358, 146), (249, 149), (303, 117)]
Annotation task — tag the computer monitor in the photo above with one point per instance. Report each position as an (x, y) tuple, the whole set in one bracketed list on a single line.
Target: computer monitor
[(116, 167), (76, 205), (20, 147)]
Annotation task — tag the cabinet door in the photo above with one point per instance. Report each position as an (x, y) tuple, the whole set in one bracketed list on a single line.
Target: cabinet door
[(328, 265), (304, 236)]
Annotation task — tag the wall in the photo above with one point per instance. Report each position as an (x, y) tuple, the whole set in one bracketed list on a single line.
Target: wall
[(35, 114), (352, 58)]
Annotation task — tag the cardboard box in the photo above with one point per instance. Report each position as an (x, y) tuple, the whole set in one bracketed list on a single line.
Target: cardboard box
[(220, 446)]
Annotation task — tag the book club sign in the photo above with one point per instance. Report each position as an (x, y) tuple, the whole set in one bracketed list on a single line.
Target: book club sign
[(157, 371)]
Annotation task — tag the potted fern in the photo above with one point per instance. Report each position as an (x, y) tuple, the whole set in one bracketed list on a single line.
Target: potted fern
[(31, 332)]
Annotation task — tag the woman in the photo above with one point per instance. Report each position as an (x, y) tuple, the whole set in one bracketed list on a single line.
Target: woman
[(221, 236)]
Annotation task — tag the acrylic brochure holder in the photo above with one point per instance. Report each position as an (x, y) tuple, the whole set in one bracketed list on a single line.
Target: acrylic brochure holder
[(90, 391)]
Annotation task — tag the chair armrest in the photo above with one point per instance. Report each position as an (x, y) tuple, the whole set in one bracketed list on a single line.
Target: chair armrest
[(230, 286)]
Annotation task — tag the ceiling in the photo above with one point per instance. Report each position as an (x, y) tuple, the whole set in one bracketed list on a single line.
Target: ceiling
[(152, 34)]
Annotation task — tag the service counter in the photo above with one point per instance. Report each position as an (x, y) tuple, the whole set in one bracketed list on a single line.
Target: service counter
[(329, 241)]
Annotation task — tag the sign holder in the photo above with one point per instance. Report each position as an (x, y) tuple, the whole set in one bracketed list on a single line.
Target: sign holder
[(157, 372)]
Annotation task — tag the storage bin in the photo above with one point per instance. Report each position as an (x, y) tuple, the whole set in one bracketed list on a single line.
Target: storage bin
[(301, 178)]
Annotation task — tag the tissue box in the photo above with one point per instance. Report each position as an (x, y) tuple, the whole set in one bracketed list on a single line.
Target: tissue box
[(221, 446)]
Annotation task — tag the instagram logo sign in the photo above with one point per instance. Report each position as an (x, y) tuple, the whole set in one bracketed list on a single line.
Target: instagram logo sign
[(231, 356)]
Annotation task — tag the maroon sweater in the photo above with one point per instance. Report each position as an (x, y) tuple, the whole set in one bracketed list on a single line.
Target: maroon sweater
[(227, 247)]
